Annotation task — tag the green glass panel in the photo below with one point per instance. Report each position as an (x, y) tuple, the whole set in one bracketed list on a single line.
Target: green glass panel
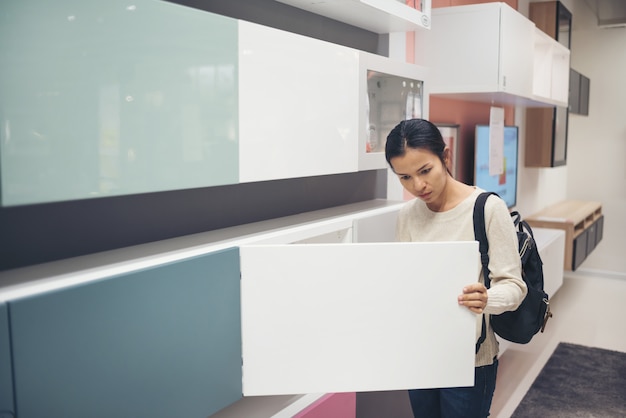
[(105, 98)]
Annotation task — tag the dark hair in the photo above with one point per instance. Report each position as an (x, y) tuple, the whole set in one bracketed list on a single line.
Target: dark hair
[(414, 133)]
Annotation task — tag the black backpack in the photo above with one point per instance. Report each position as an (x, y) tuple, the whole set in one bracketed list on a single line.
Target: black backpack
[(521, 325)]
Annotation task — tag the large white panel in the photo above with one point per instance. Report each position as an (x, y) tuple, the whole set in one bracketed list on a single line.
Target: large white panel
[(356, 317), (298, 112)]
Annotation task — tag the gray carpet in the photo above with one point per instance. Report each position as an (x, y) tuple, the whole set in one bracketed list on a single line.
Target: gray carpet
[(578, 381)]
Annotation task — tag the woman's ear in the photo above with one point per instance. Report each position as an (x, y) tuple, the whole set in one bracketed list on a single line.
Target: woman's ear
[(447, 156)]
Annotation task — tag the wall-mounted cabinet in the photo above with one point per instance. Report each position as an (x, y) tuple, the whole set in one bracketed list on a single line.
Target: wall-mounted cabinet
[(181, 317), (583, 223), (297, 112), (579, 93), (379, 16), (546, 129), (491, 53)]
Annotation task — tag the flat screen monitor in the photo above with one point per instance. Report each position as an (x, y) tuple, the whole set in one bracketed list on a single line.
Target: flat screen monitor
[(504, 184)]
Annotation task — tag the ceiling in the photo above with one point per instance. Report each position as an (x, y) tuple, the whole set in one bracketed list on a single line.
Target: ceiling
[(609, 12)]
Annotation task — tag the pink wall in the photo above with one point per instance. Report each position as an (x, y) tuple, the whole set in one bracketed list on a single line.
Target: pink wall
[(331, 405), (467, 115)]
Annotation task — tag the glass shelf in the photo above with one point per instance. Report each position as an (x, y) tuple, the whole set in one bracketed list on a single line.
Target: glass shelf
[(390, 99), (389, 91)]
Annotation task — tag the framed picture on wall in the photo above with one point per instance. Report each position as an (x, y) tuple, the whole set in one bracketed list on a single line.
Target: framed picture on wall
[(450, 134)]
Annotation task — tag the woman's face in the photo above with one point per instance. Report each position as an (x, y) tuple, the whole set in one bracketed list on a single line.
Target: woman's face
[(422, 174)]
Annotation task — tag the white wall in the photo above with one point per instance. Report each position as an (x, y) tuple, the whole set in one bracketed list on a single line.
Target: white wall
[(596, 166), (596, 153)]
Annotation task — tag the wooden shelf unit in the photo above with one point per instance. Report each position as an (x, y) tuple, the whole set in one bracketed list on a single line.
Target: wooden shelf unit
[(582, 222)]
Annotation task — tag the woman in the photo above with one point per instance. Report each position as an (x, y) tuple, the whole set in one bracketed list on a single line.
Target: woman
[(443, 211)]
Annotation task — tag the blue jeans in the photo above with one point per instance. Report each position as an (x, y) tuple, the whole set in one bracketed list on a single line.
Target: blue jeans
[(461, 402)]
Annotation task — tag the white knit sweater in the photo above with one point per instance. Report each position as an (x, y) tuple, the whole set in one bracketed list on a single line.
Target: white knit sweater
[(418, 223)]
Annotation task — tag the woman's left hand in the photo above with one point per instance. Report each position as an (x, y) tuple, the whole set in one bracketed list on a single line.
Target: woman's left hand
[(474, 297)]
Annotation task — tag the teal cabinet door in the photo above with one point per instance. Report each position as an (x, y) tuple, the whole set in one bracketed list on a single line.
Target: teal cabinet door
[(160, 342), (109, 98), (6, 382)]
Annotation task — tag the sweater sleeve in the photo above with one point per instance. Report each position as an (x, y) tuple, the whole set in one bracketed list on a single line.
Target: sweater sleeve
[(508, 289)]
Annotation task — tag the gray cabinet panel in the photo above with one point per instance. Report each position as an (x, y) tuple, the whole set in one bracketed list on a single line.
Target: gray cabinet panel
[(6, 381), (584, 95), (574, 91), (579, 93), (580, 249), (159, 342), (599, 229), (591, 237)]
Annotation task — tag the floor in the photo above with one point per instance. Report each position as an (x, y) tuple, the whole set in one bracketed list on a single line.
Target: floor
[(588, 310)]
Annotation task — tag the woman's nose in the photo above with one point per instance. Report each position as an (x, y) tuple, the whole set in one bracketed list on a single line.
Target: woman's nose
[(418, 184)]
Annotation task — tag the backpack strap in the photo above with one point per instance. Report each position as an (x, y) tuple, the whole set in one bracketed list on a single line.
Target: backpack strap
[(480, 234), (521, 225)]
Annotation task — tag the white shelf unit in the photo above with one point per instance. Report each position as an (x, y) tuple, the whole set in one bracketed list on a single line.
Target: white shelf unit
[(488, 53), (356, 290), (379, 16), (550, 64), (302, 105)]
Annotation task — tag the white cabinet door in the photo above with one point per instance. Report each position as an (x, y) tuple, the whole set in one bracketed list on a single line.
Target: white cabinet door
[(516, 52), (462, 48), (298, 110), (356, 317)]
